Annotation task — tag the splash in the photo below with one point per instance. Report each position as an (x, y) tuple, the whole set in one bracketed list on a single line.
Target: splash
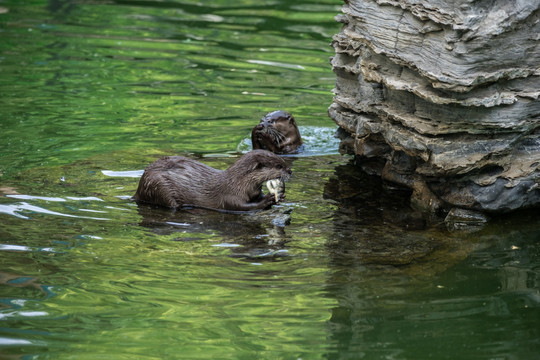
[(317, 140)]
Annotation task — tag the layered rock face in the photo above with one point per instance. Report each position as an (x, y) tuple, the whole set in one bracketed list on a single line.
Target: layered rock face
[(444, 96)]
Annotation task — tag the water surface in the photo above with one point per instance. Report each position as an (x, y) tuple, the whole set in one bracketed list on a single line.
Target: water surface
[(91, 92)]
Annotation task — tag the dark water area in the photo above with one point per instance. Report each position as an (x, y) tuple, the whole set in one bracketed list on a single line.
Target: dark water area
[(93, 91)]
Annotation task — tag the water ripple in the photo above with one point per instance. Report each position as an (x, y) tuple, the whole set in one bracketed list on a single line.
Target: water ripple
[(16, 209), (12, 342), (22, 313), (8, 247), (128, 173), (56, 199), (278, 64)]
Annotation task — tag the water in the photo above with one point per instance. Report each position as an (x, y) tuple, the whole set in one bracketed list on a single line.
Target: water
[(91, 92)]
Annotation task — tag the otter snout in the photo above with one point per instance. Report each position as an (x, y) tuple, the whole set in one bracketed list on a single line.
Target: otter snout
[(287, 172), (261, 127)]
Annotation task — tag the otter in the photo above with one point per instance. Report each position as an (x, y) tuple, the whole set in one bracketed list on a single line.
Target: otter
[(278, 133), (178, 182)]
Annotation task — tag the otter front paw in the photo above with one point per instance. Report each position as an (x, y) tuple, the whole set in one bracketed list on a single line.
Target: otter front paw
[(268, 201)]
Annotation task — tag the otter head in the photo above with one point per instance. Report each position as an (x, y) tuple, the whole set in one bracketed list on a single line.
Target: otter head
[(277, 132), (258, 166)]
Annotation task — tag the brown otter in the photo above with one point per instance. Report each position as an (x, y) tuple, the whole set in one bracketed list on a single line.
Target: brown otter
[(178, 182), (278, 133)]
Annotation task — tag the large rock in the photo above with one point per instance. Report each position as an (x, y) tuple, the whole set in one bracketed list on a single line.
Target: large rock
[(444, 94)]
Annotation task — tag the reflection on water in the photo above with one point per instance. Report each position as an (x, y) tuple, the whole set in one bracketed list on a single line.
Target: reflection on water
[(251, 235), (374, 221), (92, 92)]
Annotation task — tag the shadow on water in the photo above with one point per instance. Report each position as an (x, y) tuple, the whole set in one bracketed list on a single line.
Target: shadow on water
[(374, 223), (398, 282), (253, 235)]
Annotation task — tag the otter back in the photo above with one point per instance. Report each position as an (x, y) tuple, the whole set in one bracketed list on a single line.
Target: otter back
[(177, 181)]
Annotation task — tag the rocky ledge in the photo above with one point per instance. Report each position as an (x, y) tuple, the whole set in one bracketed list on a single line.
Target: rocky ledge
[(442, 96)]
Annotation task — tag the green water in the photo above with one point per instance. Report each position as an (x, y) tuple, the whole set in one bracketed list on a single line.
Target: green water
[(93, 91)]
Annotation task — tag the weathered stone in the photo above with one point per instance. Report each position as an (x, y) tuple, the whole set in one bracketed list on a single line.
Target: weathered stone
[(449, 87), (465, 220)]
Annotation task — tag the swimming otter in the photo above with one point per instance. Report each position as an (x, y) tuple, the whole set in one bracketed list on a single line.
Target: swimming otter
[(277, 132), (177, 182)]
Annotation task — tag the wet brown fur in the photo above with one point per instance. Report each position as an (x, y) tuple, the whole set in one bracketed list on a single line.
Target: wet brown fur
[(278, 133), (177, 182)]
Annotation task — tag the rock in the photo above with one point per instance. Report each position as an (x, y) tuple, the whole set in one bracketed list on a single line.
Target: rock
[(465, 220), (445, 93)]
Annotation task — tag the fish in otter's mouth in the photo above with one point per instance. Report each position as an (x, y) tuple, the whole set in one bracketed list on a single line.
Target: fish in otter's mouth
[(276, 187)]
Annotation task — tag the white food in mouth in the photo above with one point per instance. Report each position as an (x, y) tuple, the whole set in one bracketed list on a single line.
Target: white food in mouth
[(276, 187)]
